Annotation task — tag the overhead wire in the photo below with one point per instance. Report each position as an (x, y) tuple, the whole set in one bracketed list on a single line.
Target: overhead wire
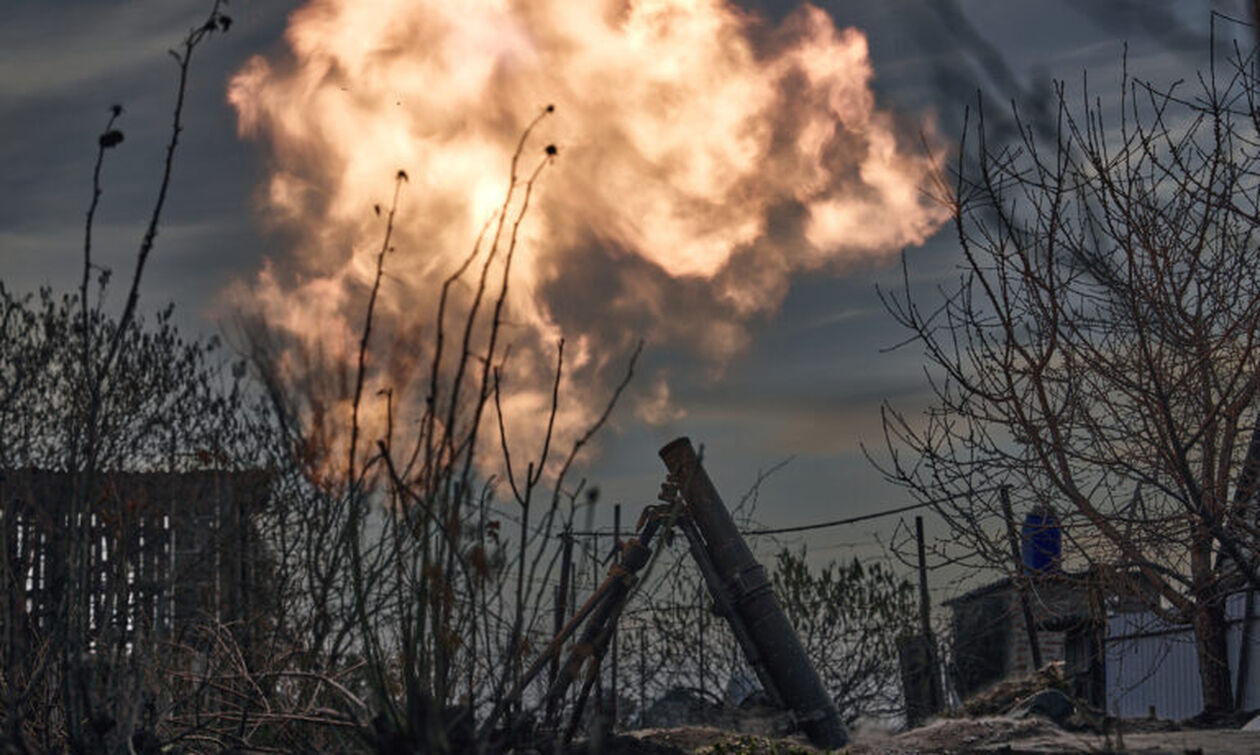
[(840, 522)]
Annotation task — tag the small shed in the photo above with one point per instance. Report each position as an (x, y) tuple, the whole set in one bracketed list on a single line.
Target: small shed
[(1116, 653), (991, 640)]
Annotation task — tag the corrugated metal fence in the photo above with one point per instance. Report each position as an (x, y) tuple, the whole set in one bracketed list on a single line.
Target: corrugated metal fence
[(1151, 664)]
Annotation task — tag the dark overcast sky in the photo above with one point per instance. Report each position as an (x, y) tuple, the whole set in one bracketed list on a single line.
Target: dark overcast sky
[(810, 384)]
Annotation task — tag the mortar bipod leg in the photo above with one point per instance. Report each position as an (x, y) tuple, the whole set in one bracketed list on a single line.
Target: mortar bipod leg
[(592, 645), (634, 555), (587, 645), (622, 576), (726, 608), (614, 591), (601, 644), (592, 605)]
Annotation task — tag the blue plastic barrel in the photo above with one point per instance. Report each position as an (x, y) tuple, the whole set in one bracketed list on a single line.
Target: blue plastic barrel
[(1042, 540)]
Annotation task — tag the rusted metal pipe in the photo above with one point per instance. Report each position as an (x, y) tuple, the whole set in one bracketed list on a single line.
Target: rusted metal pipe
[(749, 590)]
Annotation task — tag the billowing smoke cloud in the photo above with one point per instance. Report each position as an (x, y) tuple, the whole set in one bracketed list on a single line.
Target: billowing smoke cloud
[(704, 158)]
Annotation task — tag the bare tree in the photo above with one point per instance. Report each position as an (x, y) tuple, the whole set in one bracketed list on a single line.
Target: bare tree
[(1099, 351)]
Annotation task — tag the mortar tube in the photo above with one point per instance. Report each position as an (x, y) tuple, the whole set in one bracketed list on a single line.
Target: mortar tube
[(748, 587)]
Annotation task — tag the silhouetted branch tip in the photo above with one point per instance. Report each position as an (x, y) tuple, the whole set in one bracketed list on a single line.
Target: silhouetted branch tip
[(111, 138)]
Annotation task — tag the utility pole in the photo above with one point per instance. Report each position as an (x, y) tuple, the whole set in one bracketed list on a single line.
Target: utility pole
[(599, 666), (642, 674), (617, 546), (1020, 580), (562, 594), (925, 619)]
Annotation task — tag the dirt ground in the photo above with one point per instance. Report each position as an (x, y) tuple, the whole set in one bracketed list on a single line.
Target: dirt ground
[(1002, 734), (990, 734)]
